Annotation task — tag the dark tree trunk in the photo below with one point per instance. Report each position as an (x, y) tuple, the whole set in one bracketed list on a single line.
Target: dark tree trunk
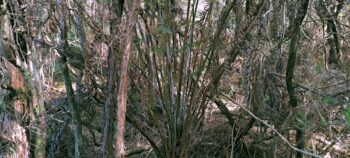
[(293, 48), (73, 107), (333, 42), (329, 17), (109, 111), (63, 50)]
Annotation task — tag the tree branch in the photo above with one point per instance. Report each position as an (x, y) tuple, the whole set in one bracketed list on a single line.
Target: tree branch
[(271, 127)]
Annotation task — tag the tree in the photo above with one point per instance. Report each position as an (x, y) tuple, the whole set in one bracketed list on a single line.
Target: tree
[(329, 19), (123, 81), (110, 102), (24, 65), (173, 78), (63, 50), (295, 23)]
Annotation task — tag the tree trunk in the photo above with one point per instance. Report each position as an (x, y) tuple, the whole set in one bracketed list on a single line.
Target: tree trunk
[(107, 149), (123, 82), (73, 107), (37, 97), (13, 109), (26, 64), (293, 48), (329, 17), (35, 84)]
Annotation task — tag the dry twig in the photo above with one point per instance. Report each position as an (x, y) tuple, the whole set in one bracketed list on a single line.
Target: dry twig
[(272, 128)]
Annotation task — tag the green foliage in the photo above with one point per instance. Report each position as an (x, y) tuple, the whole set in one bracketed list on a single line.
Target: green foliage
[(347, 114), (329, 101), (7, 146), (27, 75), (318, 68), (158, 50), (197, 73), (71, 35), (164, 29), (161, 3), (300, 120), (107, 1), (267, 98), (323, 122)]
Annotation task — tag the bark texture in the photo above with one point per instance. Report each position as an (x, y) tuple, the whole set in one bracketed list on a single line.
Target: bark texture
[(293, 48), (123, 82), (107, 150)]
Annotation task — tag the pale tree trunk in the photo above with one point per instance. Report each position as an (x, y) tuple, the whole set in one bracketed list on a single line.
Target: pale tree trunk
[(38, 107), (36, 83), (123, 82)]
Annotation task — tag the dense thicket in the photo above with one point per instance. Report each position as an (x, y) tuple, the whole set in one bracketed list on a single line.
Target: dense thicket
[(174, 78)]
